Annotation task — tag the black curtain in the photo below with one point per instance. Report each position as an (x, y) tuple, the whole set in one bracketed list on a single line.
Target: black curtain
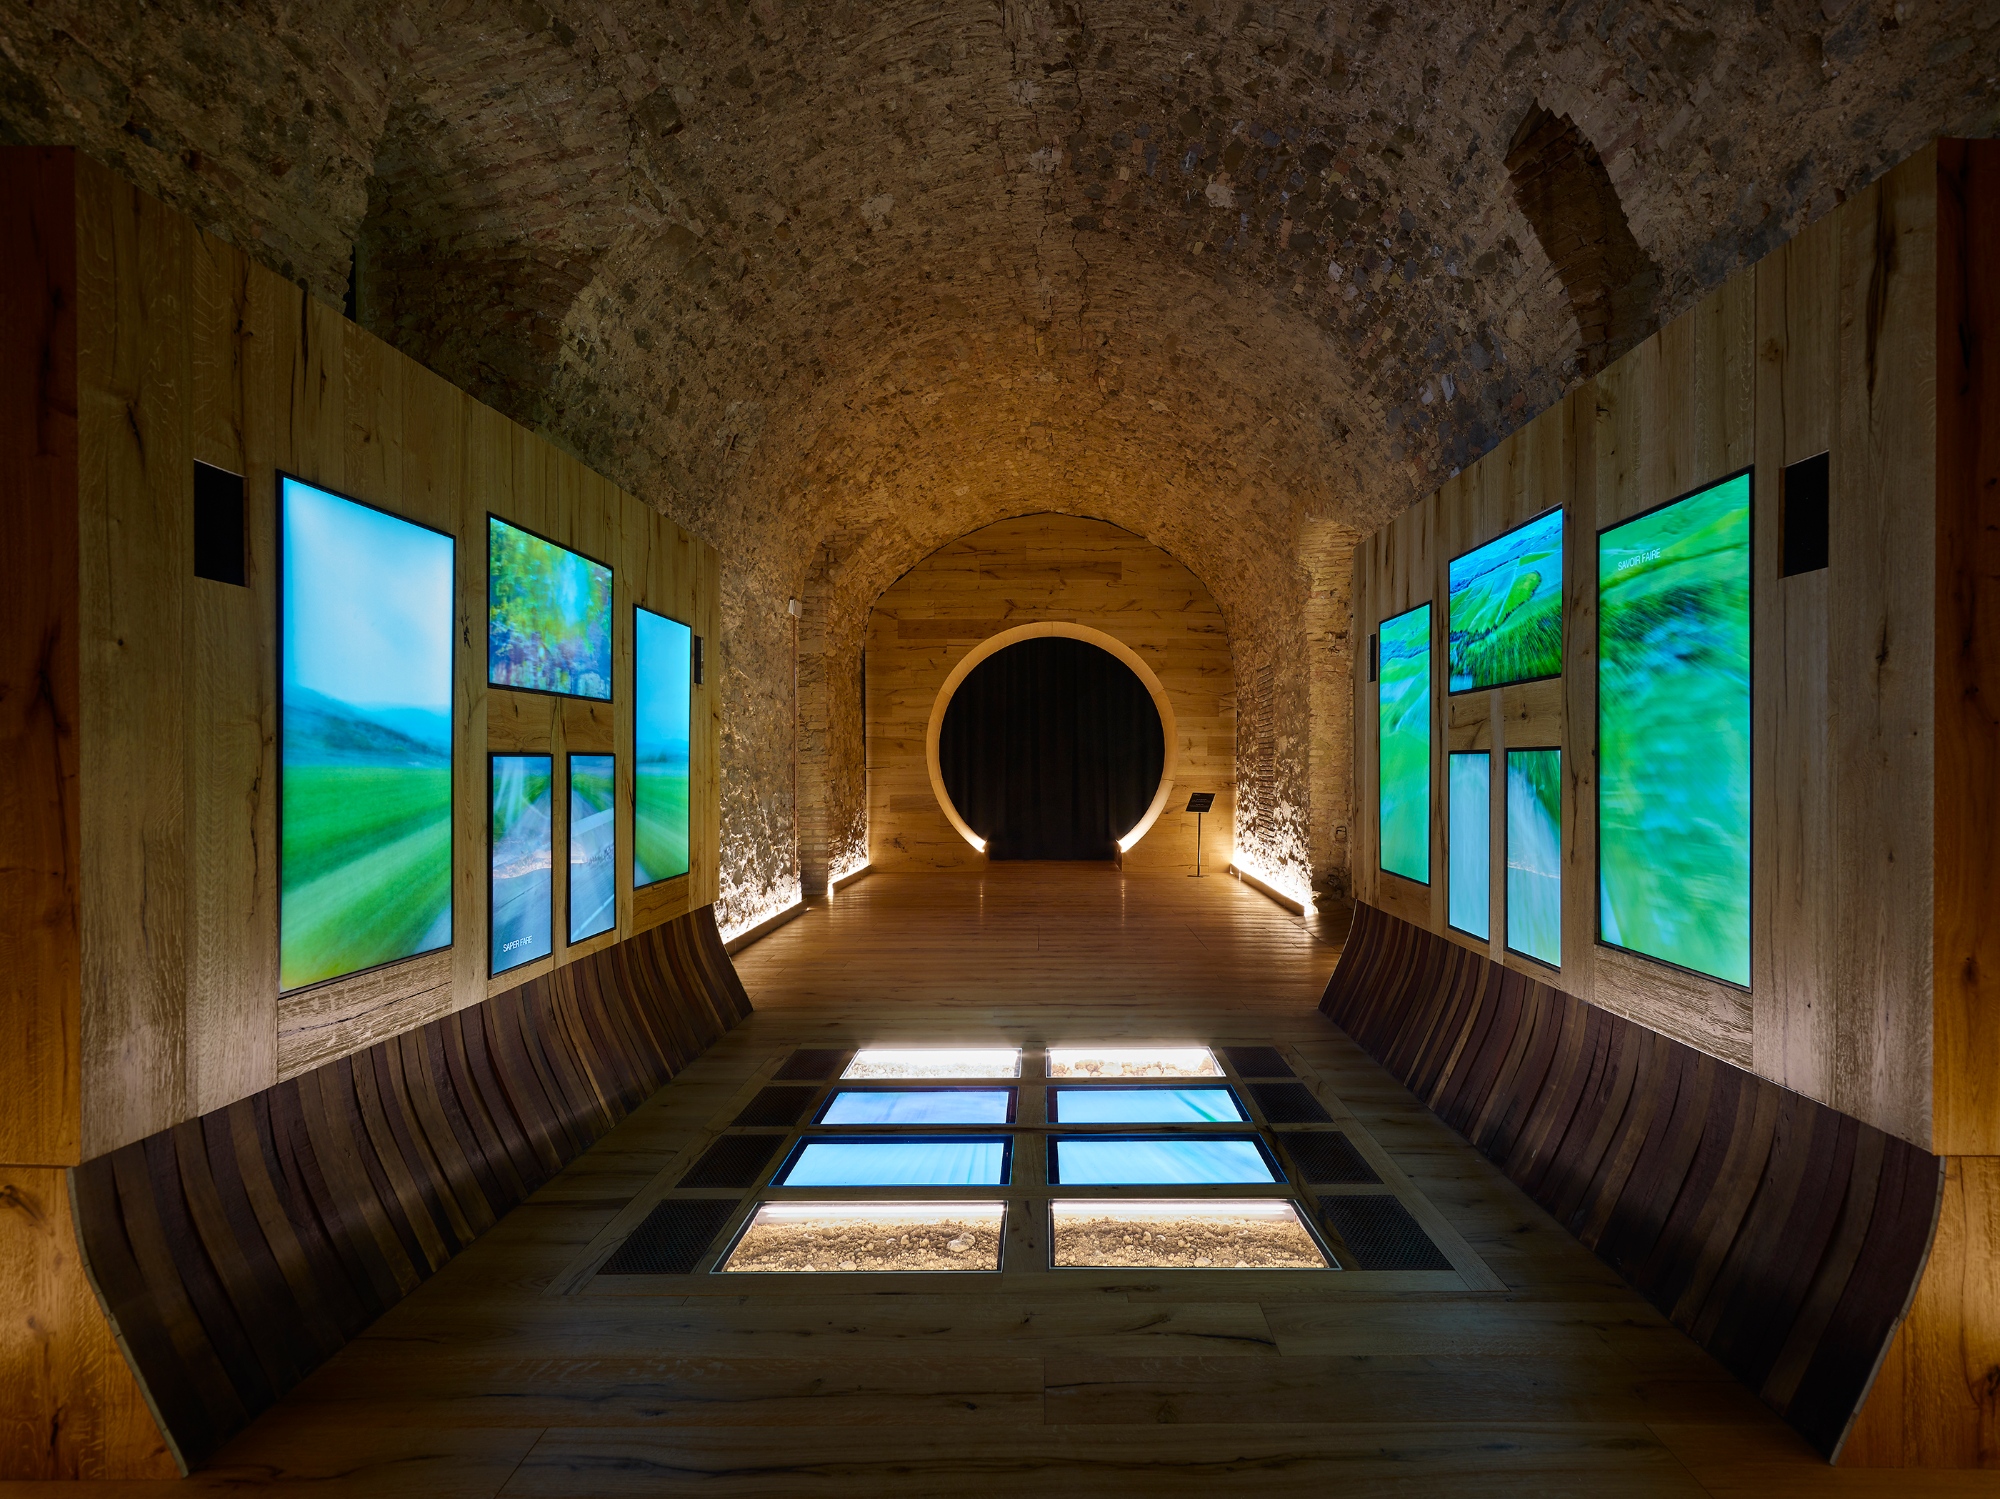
[(1051, 749)]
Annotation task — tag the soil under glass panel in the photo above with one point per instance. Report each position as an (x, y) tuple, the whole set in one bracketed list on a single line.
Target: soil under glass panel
[(806, 1237), (1132, 1061), (1205, 1235), (893, 1062)]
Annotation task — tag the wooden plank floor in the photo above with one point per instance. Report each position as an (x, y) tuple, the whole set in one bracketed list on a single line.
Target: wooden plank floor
[(515, 1373)]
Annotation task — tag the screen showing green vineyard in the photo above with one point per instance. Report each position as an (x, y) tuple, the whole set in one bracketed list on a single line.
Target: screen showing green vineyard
[(662, 662), (1534, 854), (1673, 732), (1404, 699), (548, 615), (364, 863), (1506, 608), (1471, 832)]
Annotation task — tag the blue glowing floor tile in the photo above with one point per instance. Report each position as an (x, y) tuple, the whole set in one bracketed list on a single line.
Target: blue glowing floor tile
[(1145, 1106), (898, 1162), (1111, 1160), (918, 1106)]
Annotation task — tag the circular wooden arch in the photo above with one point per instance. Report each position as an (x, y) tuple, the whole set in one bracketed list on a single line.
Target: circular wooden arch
[(992, 645)]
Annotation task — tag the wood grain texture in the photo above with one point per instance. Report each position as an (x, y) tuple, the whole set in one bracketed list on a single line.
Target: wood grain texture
[(1024, 571), (238, 1251), (1965, 958), (1783, 1237), (40, 822), (147, 698)]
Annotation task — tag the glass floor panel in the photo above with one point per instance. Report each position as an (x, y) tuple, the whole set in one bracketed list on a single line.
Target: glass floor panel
[(1145, 1106), (1132, 1061), (1129, 1160), (919, 1106), (1202, 1235), (802, 1237), (898, 1161), (925, 1062)]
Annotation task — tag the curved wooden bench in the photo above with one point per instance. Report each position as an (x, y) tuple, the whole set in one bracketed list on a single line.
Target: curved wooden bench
[(236, 1252), (1784, 1237)]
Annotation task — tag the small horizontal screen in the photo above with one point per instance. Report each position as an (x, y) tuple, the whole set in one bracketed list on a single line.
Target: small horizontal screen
[(1506, 608), (1145, 1106), (804, 1237), (1199, 1235), (1132, 1061), (919, 1106), (1114, 1161), (897, 1162), (920, 1062)]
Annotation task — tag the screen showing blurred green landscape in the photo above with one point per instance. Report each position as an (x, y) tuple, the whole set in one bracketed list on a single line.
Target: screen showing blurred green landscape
[(593, 841), (1506, 608), (364, 816), (662, 670), (1534, 854), (1404, 703), (523, 836), (1673, 732), (548, 616), (1468, 867)]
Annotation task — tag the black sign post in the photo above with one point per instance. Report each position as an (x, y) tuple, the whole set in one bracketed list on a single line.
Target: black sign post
[(1198, 803)]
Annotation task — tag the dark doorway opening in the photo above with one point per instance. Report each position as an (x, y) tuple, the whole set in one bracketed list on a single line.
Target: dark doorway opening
[(1051, 749)]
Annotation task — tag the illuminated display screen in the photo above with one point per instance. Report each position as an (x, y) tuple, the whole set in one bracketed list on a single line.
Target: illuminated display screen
[(662, 673), (364, 838), (1191, 1234), (1673, 732), (1534, 853), (919, 1106), (942, 1061), (1470, 868), (1159, 1160), (548, 616), (523, 869), (898, 1161), (1145, 1106), (815, 1237), (1132, 1061), (1404, 699), (593, 844), (1506, 608)]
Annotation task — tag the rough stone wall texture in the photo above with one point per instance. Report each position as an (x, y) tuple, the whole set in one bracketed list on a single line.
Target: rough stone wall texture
[(869, 274)]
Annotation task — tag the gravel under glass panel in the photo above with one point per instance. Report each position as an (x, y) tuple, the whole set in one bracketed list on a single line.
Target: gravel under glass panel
[(1132, 1061), (1203, 1235), (934, 1062), (809, 1237)]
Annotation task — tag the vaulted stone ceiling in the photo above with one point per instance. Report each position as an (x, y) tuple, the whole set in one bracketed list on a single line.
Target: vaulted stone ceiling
[(835, 283)]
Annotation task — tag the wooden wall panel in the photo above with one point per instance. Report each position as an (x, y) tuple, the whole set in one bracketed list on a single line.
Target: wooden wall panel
[(40, 825), (236, 1252), (179, 349), (1966, 940), (1046, 567), (1782, 1236), (1831, 345)]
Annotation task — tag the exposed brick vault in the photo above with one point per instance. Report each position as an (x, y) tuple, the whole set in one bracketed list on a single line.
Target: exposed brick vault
[(833, 284)]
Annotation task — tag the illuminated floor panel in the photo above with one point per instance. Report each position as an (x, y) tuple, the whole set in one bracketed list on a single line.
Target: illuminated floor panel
[(1132, 1061), (919, 1106), (1114, 1160), (1145, 1106), (895, 1062), (1183, 1235), (897, 1161), (807, 1237)]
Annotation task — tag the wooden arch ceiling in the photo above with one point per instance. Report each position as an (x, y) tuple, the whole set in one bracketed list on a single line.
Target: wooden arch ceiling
[(851, 280)]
